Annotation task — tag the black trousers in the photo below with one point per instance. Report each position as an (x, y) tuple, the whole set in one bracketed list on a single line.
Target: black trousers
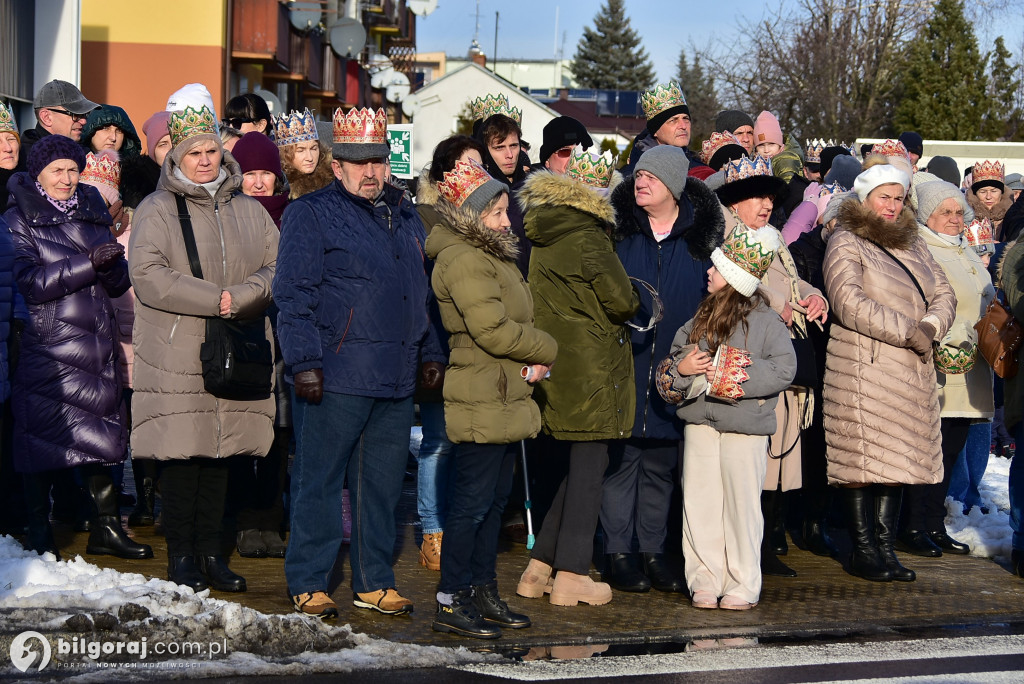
[(192, 494), (637, 494), (924, 506), (566, 540), (256, 486)]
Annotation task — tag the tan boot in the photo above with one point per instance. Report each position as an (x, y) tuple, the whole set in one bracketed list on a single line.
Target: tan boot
[(430, 551), (536, 580), (570, 589)]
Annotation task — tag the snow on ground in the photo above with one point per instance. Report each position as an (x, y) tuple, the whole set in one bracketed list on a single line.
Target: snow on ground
[(988, 535)]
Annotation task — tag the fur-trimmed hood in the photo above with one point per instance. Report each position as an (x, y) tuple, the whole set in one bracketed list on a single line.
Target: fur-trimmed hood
[(854, 217), (304, 183), (702, 235), (426, 189), (545, 189), (462, 224), (998, 210)]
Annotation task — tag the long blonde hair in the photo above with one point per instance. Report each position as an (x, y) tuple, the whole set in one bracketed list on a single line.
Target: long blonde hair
[(719, 315)]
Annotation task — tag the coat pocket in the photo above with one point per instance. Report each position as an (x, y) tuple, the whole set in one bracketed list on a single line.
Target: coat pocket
[(344, 333), (502, 385)]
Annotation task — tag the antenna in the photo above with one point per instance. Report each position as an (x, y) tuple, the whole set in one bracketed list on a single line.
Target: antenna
[(494, 59), (475, 45)]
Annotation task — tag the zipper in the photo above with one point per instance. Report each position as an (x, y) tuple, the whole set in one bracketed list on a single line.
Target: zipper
[(650, 368), (223, 248), (177, 319)]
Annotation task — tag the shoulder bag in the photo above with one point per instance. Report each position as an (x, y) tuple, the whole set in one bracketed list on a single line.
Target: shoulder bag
[(999, 337)]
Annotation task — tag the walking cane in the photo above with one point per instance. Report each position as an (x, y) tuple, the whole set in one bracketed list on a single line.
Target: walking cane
[(527, 504)]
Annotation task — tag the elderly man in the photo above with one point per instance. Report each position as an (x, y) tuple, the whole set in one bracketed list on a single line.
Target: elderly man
[(668, 123), (60, 109), (352, 294)]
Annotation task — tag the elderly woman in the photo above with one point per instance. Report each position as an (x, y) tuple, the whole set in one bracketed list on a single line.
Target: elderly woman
[(749, 195), (305, 160), (891, 301), (69, 411), (10, 146), (965, 390), (175, 420)]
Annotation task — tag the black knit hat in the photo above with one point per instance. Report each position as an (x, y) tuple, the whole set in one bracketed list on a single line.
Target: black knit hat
[(563, 131), (656, 122), (945, 168), (913, 142), (829, 154), (731, 119)]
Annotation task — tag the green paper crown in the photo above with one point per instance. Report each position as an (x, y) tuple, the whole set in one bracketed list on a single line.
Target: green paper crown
[(7, 123), (593, 170), (750, 251), (192, 122), (489, 105), (664, 96)]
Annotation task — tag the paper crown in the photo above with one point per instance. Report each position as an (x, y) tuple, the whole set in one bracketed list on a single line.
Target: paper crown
[(727, 382), (747, 167), (361, 126), (7, 122), (716, 142), (891, 148), (833, 188), (955, 360), (590, 169), (815, 148), (752, 250), (102, 169), (192, 122), (462, 181), (979, 233), (295, 127), (988, 171), (489, 105), (664, 96)]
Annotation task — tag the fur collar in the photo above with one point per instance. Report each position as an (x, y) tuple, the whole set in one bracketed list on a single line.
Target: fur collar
[(426, 189), (466, 224), (858, 219), (305, 183), (702, 236), (543, 188), (998, 210)]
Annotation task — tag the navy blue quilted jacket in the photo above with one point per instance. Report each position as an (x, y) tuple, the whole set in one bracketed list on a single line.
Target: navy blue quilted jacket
[(67, 387), (8, 294), (352, 292)]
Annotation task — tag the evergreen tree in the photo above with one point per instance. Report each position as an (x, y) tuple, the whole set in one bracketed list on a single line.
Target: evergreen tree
[(609, 56), (701, 98), (945, 83), (1003, 118)]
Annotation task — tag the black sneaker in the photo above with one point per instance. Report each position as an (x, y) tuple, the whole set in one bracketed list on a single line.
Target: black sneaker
[(462, 618), (496, 611)]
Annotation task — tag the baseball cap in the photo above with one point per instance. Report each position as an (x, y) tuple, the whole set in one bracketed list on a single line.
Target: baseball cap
[(63, 94)]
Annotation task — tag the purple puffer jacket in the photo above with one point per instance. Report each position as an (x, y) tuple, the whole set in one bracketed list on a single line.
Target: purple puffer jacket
[(67, 388)]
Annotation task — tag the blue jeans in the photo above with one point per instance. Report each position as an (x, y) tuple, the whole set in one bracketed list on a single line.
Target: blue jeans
[(434, 469), (368, 440), (1017, 492), (970, 466), (483, 479)]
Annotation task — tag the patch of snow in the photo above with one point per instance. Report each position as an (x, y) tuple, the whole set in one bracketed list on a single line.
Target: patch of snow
[(989, 536)]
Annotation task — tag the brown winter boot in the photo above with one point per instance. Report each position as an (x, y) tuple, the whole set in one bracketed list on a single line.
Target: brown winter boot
[(430, 551), (570, 589), (536, 580)]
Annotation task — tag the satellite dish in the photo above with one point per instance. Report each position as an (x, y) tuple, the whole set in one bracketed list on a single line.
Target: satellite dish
[(347, 37), (304, 19), (411, 105), (273, 104), (397, 87), (421, 7), (382, 77)]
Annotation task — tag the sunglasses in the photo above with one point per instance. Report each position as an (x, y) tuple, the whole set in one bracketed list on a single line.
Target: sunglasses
[(237, 123), (565, 152), (74, 117)]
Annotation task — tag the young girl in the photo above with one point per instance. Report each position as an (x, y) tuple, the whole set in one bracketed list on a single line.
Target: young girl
[(726, 440)]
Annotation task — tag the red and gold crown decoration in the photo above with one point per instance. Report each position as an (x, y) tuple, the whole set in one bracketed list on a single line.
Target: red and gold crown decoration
[(979, 233), (891, 148), (727, 382), (988, 171), (7, 122), (716, 142), (458, 184), (747, 167), (590, 169), (487, 106), (103, 168), (192, 122), (295, 127), (662, 97), (361, 126), (815, 148)]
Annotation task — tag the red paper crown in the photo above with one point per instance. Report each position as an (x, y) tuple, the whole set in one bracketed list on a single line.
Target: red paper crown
[(458, 184), (103, 168), (716, 142), (891, 148), (361, 126), (979, 233), (988, 171), (815, 148)]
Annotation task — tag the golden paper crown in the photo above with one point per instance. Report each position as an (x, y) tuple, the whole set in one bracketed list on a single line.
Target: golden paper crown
[(590, 169), (891, 148), (747, 167), (727, 382), (979, 233), (295, 127), (458, 184), (104, 169), (361, 126), (7, 122), (815, 148), (955, 360), (192, 122), (751, 250), (988, 171), (664, 96), (716, 142), (489, 105)]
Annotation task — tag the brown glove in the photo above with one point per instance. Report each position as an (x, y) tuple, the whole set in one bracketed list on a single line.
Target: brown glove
[(921, 339), (309, 385), (432, 375)]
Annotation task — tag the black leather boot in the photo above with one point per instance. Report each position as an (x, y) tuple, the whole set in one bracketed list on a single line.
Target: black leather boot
[(815, 525), (918, 543), (218, 575), (777, 531), (887, 513), (770, 563), (183, 570), (106, 536), (942, 539), (37, 501), (463, 618), (623, 573), (658, 570), (145, 488), (492, 609), (866, 559)]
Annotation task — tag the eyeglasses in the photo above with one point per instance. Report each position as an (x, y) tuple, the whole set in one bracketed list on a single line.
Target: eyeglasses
[(565, 152), (74, 117), (237, 123)]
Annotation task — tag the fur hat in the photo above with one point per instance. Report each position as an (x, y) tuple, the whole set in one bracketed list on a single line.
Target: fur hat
[(668, 164), (731, 119), (767, 129), (880, 174), (745, 257), (49, 149), (563, 131), (746, 178)]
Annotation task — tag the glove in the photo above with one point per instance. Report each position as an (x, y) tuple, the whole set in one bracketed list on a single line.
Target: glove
[(309, 385), (103, 256), (431, 375), (921, 339)]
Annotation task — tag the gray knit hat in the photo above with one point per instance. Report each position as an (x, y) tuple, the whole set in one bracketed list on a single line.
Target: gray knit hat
[(668, 164), (845, 169), (731, 119), (945, 168), (931, 195)]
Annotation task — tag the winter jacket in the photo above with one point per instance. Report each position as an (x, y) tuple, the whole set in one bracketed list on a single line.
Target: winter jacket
[(427, 199), (645, 141), (352, 292), (774, 366), (124, 314), (29, 138), (1013, 220), (881, 402), (110, 115), (965, 395), (486, 306), (583, 298), (677, 268), (67, 387), (996, 214), (8, 293), (173, 417), (789, 162), (1011, 280)]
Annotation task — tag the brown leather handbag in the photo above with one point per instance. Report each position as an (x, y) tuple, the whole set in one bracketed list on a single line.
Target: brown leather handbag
[(999, 337)]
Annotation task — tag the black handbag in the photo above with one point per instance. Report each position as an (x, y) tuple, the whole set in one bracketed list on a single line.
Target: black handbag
[(238, 361), (806, 361)]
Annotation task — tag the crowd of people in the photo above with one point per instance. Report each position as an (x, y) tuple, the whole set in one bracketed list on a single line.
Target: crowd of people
[(707, 351)]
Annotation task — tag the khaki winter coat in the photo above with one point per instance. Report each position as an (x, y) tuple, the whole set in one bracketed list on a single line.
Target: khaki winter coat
[(1010, 279), (488, 310), (881, 402), (173, 417)]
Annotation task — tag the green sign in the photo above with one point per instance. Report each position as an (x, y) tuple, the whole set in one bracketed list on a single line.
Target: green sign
[(400, 139)]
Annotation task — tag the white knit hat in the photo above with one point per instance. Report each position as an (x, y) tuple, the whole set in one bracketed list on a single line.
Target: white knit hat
[(745, 257), (194, 95), (879, 175)]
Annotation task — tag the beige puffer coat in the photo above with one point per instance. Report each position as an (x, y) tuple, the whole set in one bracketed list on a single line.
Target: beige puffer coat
[(173, 417), (881, 403)]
